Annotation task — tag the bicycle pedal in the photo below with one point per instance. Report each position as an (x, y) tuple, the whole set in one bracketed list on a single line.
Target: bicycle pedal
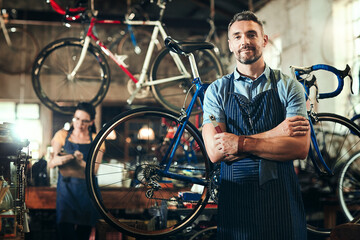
[(154, 185)]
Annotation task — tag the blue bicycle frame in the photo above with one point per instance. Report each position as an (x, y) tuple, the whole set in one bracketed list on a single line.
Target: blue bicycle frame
[(184, 119)]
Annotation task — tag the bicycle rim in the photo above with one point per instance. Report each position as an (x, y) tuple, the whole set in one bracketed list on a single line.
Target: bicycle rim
[(337, 142), (53, 66), (17, 58), (172, 95), (349, 187), (128, 169)]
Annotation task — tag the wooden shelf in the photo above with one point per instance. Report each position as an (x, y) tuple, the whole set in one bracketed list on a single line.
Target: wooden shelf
[(45, 198)]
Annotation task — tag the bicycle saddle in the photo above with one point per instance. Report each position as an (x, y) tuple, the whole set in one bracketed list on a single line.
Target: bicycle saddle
[(186, 47)]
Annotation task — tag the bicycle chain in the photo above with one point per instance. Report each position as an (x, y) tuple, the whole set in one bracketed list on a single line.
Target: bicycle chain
[(149, 193), (173, 200), (200, 169)]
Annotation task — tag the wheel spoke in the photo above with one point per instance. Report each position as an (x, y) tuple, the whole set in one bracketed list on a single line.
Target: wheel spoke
[(133, 169)]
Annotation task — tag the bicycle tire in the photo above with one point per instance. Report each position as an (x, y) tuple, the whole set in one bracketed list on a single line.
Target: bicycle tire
[(349, 187), (56, 61), (337, 138), (19, 57), (205, 234), (172, 95), (132, 175)]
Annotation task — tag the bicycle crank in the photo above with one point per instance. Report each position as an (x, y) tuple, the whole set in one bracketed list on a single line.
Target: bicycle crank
[(142, 93)]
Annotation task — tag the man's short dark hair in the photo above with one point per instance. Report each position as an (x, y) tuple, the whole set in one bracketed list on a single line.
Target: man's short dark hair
[(245, 16)]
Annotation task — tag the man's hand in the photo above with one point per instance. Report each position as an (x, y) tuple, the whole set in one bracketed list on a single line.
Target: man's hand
[(291, 127), (226, 143)]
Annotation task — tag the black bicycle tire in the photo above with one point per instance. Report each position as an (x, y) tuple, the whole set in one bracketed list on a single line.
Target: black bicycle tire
[(156, 88), (351, 129), (94, 190), (99, 58), (202, 232), (31, 48), (344, 171)]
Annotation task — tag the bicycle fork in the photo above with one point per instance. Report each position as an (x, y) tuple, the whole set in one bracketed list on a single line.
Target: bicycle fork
[(316, 146), (71, 76)]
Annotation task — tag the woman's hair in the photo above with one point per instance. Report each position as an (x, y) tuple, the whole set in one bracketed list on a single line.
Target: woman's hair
[(90, 109), (87, 107)]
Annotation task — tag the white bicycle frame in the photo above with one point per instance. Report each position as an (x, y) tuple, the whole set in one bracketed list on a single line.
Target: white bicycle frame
[(6, 34), (142, 81)]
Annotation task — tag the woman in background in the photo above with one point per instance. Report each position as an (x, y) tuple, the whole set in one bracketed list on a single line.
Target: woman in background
[(75, 213)]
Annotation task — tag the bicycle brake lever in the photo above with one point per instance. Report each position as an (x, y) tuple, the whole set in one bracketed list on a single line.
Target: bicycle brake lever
[(313, 83), (351, 85), (317, 92), (302, 70), (347, 73)]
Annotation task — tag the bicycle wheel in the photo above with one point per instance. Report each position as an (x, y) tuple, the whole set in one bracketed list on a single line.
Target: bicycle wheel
[(337, 138), (172, 94), (52, 68), (19, 56), (146, 202), (349, 187)]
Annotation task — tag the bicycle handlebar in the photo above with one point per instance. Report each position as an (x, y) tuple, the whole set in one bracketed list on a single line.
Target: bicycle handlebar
[(340, 74), (71, 14)]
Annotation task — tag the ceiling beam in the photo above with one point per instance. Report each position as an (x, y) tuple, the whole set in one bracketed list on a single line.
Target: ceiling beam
[(219, 9)]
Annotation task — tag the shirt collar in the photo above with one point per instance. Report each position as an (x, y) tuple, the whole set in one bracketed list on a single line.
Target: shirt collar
[(265, 74)]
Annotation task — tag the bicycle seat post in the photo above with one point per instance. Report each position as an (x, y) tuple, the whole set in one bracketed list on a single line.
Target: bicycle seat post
[(193, 66)]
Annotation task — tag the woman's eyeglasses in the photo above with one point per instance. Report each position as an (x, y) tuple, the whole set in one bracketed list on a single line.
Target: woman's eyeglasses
[(82, 121)]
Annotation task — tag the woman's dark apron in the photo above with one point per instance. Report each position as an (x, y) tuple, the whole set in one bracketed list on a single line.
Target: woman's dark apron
[(73, 203), (258, 199)]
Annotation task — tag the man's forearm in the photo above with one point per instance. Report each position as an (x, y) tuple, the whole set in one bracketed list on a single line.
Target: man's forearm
[(279, 148), (287, 141)]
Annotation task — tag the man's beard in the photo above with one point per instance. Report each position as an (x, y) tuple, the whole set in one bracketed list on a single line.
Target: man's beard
[(250, 60)]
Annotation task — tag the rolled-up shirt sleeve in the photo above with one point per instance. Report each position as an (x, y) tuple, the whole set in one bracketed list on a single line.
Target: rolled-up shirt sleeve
[(213, 104), (296, 103)]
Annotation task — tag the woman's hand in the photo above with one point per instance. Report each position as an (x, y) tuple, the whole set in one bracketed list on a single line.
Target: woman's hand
[(64, 159), (79, 157)]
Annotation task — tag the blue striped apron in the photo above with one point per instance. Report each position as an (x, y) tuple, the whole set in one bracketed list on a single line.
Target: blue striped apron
[(258, 199), (73, 203)]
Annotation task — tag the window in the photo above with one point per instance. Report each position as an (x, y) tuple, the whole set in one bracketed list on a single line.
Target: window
[(355, 68), (26, 117)]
